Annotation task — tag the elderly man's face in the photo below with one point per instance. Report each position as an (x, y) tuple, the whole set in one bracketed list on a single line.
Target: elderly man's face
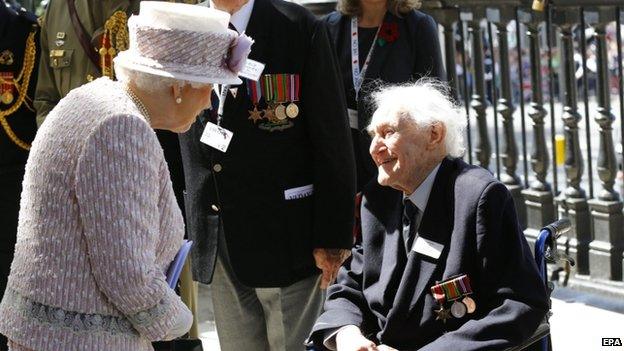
[(398, 149), (229, 6)]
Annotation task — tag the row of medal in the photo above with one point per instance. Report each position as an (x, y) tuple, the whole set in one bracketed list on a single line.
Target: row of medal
[(277, 90), (453, 291)]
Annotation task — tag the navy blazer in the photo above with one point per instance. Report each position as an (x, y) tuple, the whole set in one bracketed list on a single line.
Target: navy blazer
[(415, 54), (387, 293), (241, 193)]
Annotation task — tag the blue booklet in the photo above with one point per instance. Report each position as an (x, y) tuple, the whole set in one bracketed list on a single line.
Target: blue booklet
[(175, 268)]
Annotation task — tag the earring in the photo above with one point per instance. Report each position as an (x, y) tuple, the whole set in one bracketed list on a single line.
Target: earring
[(178, 100)]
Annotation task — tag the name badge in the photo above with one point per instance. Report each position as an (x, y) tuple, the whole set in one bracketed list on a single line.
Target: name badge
[(353, 118), (216, 137), (428, 247), (299, 193), (252, 70)]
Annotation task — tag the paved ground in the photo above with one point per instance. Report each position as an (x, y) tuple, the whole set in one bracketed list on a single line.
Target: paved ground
[(579, 321)]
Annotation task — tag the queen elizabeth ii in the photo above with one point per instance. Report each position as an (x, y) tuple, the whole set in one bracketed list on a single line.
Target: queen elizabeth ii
[(99, 223)]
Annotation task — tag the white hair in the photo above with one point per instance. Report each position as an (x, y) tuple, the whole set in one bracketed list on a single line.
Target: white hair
[(424, 102), (150, 82)]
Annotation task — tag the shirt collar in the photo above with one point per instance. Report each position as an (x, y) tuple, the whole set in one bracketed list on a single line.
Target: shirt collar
[(420, 196), (240, 18)]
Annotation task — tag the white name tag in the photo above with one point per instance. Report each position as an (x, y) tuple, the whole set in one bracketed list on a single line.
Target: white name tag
[(252, 70), (353, 118), (299, 193), (427, 247), (216, 136)]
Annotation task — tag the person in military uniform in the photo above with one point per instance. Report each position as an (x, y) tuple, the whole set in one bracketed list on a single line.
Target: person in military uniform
[(19, 37), (65, 64)]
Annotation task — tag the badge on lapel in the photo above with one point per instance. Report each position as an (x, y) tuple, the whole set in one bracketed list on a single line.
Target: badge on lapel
[(280, 92), (454, 292)]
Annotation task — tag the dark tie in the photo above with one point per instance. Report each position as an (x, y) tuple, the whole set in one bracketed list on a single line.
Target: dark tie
[(410, 211)]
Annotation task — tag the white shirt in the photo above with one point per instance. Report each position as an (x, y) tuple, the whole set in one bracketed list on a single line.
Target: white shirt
[(240, 18)]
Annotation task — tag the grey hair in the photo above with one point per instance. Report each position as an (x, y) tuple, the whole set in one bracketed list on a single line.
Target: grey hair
[(150, 82), (424, 102)]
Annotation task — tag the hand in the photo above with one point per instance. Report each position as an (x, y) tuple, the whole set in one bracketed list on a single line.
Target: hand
[(184, 321), (386, 348), (351, 339), (329, 261)]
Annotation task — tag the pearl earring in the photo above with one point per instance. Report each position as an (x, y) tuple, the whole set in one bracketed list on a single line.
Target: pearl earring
[(178, 100)]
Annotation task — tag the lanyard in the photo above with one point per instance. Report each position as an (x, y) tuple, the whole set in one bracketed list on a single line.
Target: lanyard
[(358, 76), (222, 97)]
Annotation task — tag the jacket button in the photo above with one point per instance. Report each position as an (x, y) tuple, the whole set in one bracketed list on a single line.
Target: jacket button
[(215, 208), (217, 167)]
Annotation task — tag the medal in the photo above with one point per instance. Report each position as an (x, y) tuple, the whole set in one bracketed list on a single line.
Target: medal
[(442, 314), (6, 88), (471, 306), (254, 91), (269, 113), (7, 98), (280, 112), (458, 309), (293, 86), (292, 110)]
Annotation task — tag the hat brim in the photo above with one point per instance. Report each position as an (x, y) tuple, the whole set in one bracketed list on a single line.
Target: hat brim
[(229, 78)]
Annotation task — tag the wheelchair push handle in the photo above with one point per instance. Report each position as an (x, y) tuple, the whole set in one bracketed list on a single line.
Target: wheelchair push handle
[(559, 227), (556, 230)]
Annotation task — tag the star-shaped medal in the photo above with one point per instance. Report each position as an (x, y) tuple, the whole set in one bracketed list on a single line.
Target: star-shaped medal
[(269, 114), (442, 314), (255, 114)]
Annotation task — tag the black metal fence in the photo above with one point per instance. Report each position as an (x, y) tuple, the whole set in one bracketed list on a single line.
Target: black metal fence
[(520, 73)]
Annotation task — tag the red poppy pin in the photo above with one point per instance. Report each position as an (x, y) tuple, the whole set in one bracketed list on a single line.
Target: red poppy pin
[(388, 33)]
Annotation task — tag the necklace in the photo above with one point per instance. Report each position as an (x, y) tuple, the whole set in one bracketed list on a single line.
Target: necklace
[(138, 104)]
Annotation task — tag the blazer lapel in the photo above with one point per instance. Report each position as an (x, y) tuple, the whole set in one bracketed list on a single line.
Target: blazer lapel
[(436, 225)]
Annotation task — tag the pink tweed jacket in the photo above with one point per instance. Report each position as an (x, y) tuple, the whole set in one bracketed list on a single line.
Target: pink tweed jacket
[(98, 227)]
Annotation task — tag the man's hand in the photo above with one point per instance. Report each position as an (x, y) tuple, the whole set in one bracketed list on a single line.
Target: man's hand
[(329, 261), (351, 339)]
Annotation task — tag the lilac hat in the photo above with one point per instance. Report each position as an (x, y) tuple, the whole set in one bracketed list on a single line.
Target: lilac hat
[(186, 42)]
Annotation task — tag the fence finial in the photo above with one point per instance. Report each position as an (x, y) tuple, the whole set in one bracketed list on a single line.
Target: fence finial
[(539, 5)]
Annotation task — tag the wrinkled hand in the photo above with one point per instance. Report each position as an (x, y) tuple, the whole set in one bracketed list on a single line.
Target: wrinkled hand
[(386, 348), (351, 339), (329, 261)]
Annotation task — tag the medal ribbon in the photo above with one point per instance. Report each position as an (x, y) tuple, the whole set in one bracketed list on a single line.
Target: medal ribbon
[(254, 91), (452, 289), (438, 294), (357, 74), (267, 87), (293, 87), (7, 82)]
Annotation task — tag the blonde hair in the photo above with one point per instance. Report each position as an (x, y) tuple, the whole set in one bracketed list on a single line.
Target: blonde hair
[(396, 7)]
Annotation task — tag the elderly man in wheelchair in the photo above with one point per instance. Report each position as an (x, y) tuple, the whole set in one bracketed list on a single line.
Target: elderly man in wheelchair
[(442, 263)]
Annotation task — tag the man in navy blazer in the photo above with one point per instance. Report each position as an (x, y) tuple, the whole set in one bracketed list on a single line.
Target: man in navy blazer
[(467, 280)]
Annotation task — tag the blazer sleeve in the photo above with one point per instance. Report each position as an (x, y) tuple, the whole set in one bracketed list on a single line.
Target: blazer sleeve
[(428, 53), (334, 164), (512, 296), (345, 304), (117, 189), (46, 95)]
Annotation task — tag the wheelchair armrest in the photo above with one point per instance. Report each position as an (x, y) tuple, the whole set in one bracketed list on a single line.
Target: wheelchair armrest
[(542, 330)]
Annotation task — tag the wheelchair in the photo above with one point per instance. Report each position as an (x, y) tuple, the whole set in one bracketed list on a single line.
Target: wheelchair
[(546, 251)]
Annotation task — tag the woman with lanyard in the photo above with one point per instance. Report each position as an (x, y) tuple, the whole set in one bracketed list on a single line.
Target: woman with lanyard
[(380, 41)]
